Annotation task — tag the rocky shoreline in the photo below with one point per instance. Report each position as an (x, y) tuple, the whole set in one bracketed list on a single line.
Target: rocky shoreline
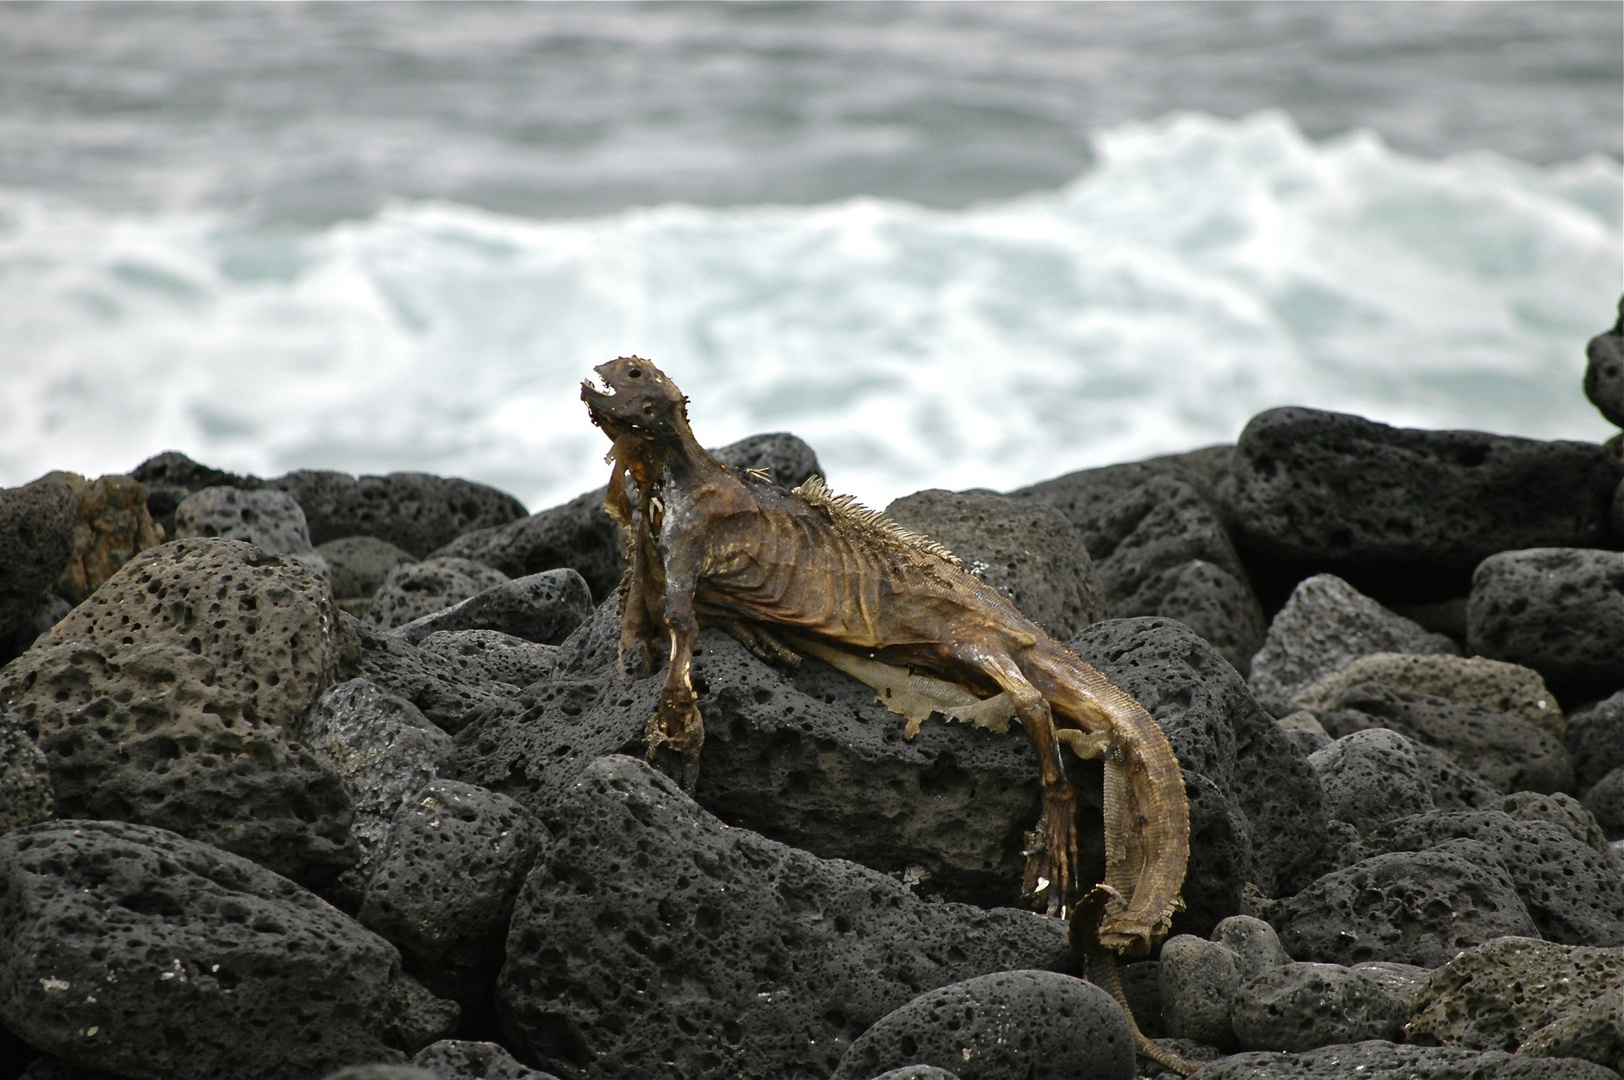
[(332, 775)]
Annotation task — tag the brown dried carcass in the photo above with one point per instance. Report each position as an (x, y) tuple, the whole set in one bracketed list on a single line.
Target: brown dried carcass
[(808, 571)]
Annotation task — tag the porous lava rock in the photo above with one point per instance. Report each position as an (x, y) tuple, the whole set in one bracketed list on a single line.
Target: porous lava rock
[(267, 622), (1559, 809), (1220, 732), (1605, 800), (358, 566), (808, 757), (25, 776), (1403, 513), (1559, 611), (1508, 753), (134, 951), (1495, 996), (446, 880), (580, 535), (37, 524), (270, 520), (1368, 778), (1595, 740), (1495, 685), (384, 751), (1154, 532), (171, 476), (1409, 907), (416, 512), (156, 734), (1376, 1059), (441, 689), (1037, 1024), (544, 608), (113, 526), (1325, 626), (380, 1072), (412, 590), (1572, 891), (49, 610), (1198, 983), (1306, 1005), (652, 938), (1604, 370), (917, 1072), (1594, 1033), (1029, 552), (463, 1059), (490, 656)]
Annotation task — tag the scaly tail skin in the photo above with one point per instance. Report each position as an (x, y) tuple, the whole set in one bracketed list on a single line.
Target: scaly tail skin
[(1147, 816)]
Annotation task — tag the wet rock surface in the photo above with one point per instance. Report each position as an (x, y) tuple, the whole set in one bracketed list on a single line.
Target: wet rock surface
[(137, 952), (1033, 1023), (650, 932), (1154, 532), (1027, 551)]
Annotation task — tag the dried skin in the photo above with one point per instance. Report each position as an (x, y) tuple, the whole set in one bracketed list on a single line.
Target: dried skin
[(814, 572)]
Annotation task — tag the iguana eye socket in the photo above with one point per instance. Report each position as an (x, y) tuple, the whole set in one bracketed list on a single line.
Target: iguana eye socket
[(635, 373)]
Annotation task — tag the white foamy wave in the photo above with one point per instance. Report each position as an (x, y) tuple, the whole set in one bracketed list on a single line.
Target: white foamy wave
[(1203, 271)]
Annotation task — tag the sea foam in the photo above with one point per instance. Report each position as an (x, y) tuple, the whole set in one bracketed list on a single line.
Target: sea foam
[(1202, 271)]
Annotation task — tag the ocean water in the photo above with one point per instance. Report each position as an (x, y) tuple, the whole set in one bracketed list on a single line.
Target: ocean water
[(1143, 285)]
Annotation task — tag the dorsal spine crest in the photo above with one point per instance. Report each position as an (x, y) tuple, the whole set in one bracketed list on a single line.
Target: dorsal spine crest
[(863, 521)]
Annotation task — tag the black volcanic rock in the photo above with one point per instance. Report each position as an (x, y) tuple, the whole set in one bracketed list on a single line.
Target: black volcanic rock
[(1396, 510), (36, 544), (134, 951), (1559, 611), (652, 939), (1154, 532), (1604, 371), (416, 512)]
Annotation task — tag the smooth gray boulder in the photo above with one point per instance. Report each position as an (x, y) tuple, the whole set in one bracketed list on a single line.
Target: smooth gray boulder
[(651, 937)]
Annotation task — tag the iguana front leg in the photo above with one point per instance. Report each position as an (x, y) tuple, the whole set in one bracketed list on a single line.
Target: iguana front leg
[(676, 731)]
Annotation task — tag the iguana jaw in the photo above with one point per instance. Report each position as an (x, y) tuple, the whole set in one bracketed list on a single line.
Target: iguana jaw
[(640, 400)]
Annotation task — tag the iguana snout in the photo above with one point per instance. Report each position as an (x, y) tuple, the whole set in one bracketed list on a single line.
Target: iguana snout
[(640, 399)]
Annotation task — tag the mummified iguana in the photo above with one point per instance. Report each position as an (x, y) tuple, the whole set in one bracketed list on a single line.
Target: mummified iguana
[(815, 572)]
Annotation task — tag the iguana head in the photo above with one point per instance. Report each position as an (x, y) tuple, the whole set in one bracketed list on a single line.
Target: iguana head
[(640, 400)]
